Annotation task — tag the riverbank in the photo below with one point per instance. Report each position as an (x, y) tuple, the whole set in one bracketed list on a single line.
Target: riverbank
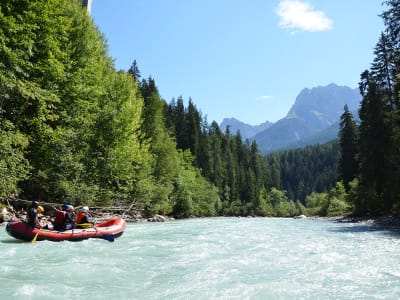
[(388, 221), (132, 214), (17, 208)]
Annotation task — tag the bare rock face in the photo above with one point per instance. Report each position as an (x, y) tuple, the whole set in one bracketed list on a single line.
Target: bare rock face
[(157, 218), (160, 218), (300, 217)]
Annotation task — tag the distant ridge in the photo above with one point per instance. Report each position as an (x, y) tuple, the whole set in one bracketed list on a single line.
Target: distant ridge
[(246, 131), (314, 111), (313, 119)]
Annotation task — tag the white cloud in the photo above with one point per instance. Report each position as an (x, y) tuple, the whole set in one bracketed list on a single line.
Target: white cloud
[(300, 15), (264, 97)]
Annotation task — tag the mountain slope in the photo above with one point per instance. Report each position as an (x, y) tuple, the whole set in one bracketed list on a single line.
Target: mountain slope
[(314, 111), (247, 131)]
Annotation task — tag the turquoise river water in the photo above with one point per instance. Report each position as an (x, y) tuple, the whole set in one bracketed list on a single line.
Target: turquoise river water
[(211, 258)]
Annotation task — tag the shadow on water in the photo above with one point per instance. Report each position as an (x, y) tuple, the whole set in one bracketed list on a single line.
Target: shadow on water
[(12, 241), (363, 228)]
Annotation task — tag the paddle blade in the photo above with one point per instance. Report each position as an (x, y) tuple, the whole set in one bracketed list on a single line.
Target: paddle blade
[(108, 237), (35, 237)]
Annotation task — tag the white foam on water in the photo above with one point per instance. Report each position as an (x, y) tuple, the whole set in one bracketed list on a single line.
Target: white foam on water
[(216, 258), (26, 290)]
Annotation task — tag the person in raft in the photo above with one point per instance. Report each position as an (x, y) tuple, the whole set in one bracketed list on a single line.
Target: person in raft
[(82, 219), (65, 218), (70, 220), (34, 210)]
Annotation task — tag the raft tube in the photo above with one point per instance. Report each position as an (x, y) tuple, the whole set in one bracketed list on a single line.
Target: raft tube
[(108, 230)]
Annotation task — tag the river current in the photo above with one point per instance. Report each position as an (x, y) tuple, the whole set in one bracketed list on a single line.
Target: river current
[(210, 258)]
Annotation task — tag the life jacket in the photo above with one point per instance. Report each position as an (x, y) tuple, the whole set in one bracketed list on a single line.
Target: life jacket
[(59, 220), (80, 217)]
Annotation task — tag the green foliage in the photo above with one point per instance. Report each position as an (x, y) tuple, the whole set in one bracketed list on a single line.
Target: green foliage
[(337, 207), (348, 136), (282, 206), (301, 209), (78, 193), (379, 140), (296, 170), (286, 209), (73, 129), (193, 195), (165, 160), (234, 208), (13, 165), (317, 204), (338, 202), (353, 193), (264, 207), (334, 203), (236, 169), (60, 89), (120, 155), (374, 164)]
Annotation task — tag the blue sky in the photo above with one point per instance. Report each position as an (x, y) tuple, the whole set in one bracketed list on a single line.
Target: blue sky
[(246, 59)]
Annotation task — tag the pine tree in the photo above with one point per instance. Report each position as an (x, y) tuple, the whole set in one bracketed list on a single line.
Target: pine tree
[(180, 124), (193, 130), (382, 69), (134, 71), (379, 150), (348, 165), (372, 144), (391, 19)]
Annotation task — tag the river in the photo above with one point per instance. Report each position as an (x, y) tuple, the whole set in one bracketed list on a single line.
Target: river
[(210, 258)]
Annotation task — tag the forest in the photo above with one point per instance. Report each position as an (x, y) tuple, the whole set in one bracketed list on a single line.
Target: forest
[(73, 129)]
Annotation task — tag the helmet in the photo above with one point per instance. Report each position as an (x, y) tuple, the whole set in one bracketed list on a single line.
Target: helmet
[(35, 204), (65, 207), (85, 209), (40, 209), (70, 207)]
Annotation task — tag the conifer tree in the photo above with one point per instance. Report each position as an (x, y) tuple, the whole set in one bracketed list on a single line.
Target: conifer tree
[(193, 130), (372, 143), (382, 69), (134, 71), (180, 124), (380, 120), (348, 165), (391, 19)]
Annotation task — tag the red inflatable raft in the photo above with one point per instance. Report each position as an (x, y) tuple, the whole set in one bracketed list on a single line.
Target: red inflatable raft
[(107, 230)]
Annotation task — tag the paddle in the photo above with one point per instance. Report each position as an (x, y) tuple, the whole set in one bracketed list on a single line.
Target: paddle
[(84, 225), (108, 237), (35, 237)]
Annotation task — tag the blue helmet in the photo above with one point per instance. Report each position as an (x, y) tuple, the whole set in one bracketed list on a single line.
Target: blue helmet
[(65, 207)]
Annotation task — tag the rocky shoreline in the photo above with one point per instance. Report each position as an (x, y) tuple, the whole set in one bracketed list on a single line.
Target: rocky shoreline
[(17, 208), (385, 221), (388, 221)]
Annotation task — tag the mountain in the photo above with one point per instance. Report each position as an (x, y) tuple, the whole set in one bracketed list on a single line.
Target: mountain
[(322, 106), (323, 136), (247, 131), (313, 117)]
